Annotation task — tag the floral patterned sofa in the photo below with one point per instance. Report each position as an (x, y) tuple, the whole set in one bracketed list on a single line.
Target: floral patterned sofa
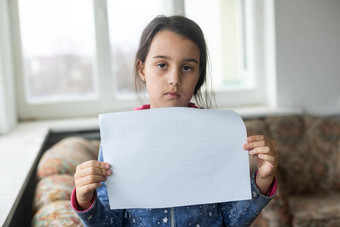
[(308, 174), (51, 202)]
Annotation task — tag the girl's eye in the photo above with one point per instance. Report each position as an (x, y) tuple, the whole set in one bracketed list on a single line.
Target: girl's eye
[(161, 65), (187, 68)]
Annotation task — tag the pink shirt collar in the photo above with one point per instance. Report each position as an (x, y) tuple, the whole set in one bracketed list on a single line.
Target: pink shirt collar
[(147, 106)]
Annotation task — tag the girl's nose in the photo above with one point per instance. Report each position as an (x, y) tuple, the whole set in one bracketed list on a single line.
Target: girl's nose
[(174, 78)]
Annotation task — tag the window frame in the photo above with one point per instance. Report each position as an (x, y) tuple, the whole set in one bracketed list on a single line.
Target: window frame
[(8, 113), (256, 95)]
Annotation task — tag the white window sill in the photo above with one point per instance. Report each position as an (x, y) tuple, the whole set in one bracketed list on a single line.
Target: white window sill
[(19, 149), (264, 111)]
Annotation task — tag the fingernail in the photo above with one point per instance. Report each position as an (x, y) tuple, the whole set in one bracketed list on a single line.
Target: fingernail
[(107, 166), (109, 172)]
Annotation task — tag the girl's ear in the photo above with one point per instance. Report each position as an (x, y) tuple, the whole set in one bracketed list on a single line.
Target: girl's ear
[(141, 72)]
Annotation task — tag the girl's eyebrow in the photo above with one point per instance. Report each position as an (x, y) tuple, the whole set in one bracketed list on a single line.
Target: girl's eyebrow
[(168, 58)]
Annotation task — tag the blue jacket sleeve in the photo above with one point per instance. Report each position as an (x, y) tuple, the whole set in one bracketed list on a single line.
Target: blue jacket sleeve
[(100, 213), (244, 212)]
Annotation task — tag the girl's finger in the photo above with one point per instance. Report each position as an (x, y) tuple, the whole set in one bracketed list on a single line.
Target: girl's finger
[(258, 138), (250, 146), (93, 170), (266, 157), (260, 150), (95, 163), (90, 180), (88, 188)]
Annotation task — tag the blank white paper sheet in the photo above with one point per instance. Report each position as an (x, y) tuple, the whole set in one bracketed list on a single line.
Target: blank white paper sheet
[(176, 156)]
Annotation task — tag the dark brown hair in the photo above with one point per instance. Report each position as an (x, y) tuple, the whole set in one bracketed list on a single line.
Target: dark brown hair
[(183, 27)]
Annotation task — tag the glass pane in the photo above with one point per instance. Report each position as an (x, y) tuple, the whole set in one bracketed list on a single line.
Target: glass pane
[(222, 24), (127, 20), (58, 49)]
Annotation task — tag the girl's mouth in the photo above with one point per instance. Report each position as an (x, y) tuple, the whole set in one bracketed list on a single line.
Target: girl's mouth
[(172, 95)]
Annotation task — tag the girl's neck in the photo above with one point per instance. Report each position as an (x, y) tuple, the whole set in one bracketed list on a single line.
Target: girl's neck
[(147, 106)]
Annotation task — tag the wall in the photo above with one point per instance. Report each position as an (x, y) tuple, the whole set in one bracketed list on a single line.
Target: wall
[(308, 55)]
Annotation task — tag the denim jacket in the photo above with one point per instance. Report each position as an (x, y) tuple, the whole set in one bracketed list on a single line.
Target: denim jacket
[(236, 213)]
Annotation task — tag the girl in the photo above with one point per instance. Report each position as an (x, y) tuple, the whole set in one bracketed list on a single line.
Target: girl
[(171, 62)]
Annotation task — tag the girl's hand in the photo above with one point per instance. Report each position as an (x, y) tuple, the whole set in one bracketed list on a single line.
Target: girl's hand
[(266, 156), (88, 178)]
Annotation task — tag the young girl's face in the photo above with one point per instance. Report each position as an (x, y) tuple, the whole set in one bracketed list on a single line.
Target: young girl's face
[(171, 70)]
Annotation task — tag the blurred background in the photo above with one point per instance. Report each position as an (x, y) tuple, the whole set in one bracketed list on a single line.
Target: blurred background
[(62, 62), (74, 58)]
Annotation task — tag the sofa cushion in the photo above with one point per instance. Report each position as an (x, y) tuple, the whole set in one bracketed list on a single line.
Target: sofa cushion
[(58, 213), (79, 143), (63, 157), (324, 137), (53, 188), (95, 148), (296, 156), (321, 209)]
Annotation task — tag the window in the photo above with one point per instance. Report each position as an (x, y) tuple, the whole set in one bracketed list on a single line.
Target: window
[(125, 30), (58, 49), (224, 32), (75, 58)]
